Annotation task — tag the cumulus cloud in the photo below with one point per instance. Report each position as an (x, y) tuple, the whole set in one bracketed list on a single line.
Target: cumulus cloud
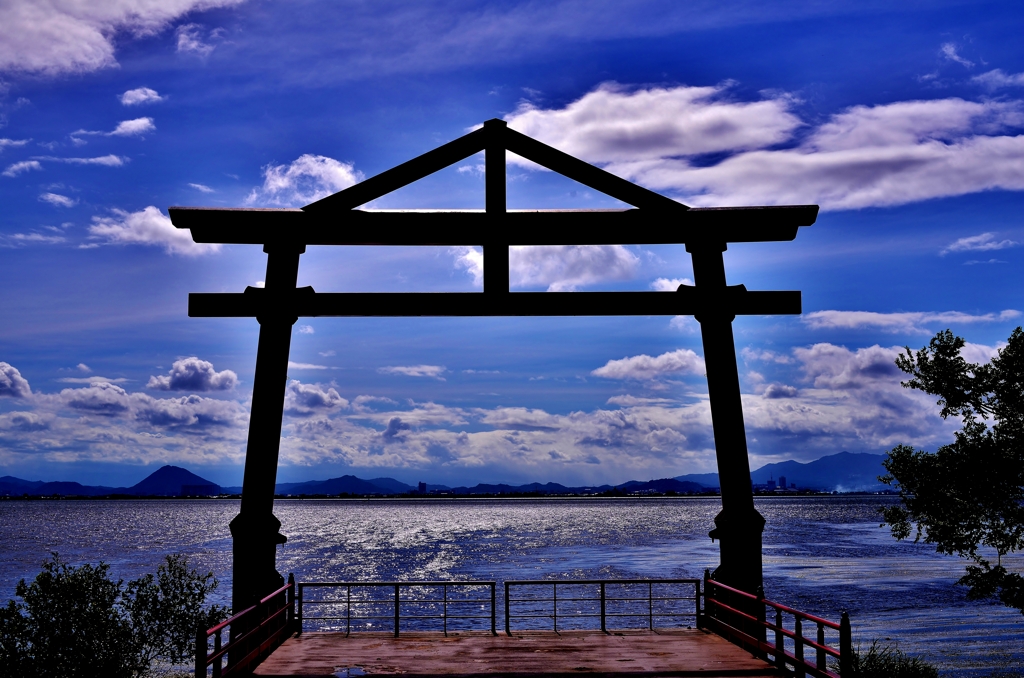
[(910, 323), (148, 226), (669, 284), (431, 371), (998, 78), (58, 200), (308, 399), (101, 398), (140, 95), (189, 40), (79, 37), (864, 156), (984, 242), (644, 368), (305, 180), (12, 384), (193, 374), (17, 168), (125, 128), (563, 268), (472, 260), (773, 391), (306, 329), (836, 367)]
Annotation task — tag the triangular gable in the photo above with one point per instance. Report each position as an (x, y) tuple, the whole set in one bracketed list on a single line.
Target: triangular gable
[(495, 134)]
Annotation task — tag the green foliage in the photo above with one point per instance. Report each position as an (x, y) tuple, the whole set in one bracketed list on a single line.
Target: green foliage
[(77, 621), (968, 497), (888, 661)]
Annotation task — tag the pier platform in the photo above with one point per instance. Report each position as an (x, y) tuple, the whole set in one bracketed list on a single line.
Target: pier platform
[(625, 654)]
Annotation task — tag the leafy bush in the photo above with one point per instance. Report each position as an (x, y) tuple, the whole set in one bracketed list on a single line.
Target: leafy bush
[(888, 661), (77, 621)]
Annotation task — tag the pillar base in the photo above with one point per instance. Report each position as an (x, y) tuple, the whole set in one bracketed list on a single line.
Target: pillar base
[(255, 541)]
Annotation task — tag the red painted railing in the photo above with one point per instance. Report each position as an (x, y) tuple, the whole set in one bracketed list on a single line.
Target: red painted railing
[(786, 645), (256, 632)]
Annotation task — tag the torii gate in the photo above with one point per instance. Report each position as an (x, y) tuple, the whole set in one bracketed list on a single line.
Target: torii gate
[(335, 220)]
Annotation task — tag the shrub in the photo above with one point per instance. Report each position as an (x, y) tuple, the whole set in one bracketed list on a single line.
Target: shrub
[(888, 661), (77, 621)]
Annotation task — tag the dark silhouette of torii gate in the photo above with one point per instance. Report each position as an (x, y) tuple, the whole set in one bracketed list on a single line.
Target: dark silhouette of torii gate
[(335, 220)]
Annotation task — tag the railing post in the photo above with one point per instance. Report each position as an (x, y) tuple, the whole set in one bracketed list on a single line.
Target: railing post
[(348, 610), (761, 633), (845, 646), (216, 649), (290, 601), (508, 612), (780, 642), (798, 646), (444, 608), (554, 606), (698, 621), (708, 595), (397, 602), (298, 611), (650, 606), (200, 650), (821, 652), (494, 620), (604, 628)]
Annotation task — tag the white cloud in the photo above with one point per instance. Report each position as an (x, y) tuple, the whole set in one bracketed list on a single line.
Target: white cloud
[(104, 160), (836, 367), (643, 367), (864, 156), (193, 374), (96, 379), (978, 243), (566, 267), (82, 367), (949, 51), (616, 124), (307, 399), (899, 322), (58, 200), (774, 391), (148, 226), (471, 259), (669, 284), (140, 95), (431, 371), (16, 239), (189, 40), (13, 143), (306, 366), (136, 127), (23, 166), (998, 78), (202, 188), (306, 329), (305, 180), (12, 384), (79, 37)]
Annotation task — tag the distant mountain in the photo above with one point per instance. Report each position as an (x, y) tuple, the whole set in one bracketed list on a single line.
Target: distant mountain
[(342, 485), (168, 481), (842, 472), (391, 485), (663, 485)]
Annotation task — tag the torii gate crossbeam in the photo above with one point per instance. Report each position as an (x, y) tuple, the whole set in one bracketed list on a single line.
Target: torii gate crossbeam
[(335, 220)]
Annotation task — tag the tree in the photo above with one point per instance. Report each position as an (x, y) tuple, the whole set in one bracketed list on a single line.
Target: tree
[(77, 621), (968, 497)]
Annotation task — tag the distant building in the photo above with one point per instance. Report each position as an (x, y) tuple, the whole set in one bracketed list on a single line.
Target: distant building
[(782, 483), (208, 490), (771, 485), (422, 488)]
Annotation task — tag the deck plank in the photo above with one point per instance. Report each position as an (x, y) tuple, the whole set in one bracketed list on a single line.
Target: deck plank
[(629, 655)]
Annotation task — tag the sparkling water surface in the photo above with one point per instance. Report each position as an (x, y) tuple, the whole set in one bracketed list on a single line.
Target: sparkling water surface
[(821, 555)]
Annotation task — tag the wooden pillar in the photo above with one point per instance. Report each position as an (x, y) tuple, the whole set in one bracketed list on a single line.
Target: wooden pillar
[(738, 526), (496, 239), (255, 529)]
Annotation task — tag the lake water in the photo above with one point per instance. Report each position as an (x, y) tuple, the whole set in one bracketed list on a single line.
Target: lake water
[(821, 555)]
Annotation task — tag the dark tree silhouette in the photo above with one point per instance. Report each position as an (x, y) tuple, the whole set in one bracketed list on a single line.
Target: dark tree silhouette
[(968, 497)]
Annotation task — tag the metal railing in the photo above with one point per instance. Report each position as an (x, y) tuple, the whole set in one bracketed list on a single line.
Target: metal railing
[(255, 632), (423, 600), (603, 599), (740, 627)]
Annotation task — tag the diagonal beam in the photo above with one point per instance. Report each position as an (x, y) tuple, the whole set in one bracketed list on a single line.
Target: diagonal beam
[(402, 175), (585, 173)]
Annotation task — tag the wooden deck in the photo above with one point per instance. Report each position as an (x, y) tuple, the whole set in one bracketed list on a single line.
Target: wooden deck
[(625, 655)]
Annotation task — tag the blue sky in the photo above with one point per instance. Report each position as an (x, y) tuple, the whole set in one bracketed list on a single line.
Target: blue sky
[(904, 121)]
